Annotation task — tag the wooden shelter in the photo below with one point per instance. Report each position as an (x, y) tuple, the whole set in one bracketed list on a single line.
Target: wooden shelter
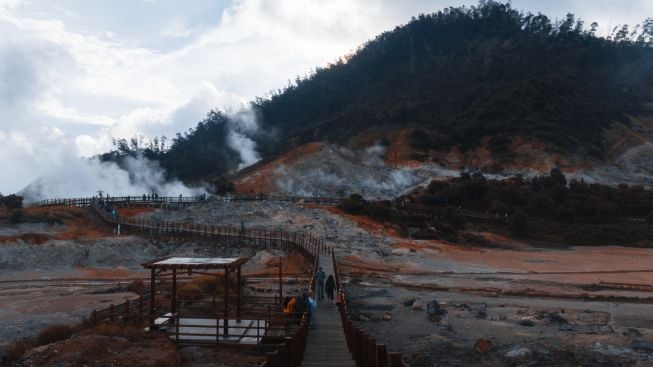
[(191, 265)]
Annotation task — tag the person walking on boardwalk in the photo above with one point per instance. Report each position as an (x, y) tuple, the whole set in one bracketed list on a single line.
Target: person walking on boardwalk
[(330, 287), (320, 276)]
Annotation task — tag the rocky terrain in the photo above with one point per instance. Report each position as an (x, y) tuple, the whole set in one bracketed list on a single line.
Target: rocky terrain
[(388, 170), (49, 280), (505, 303), (534, 306)]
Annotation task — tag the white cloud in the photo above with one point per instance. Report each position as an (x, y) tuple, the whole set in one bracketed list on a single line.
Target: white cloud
[(97, 71)]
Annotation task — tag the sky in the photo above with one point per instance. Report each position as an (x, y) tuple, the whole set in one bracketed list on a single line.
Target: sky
[(76, 73)]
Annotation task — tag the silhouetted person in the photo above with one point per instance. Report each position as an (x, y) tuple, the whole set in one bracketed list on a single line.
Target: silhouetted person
[(330, 287), (320, 276)]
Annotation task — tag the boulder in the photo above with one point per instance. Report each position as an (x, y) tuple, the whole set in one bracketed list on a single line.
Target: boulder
[(387, 316), (642, 345), (418, 305), (478, 307), (527, 322), (554, 318), (518, 352), (433, 309), (483, 345)]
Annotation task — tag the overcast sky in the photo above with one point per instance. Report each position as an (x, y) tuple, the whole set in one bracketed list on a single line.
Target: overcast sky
[(74, 73)]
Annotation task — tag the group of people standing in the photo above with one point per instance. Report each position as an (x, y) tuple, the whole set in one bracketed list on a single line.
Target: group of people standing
[(295, 306), (328, 286)]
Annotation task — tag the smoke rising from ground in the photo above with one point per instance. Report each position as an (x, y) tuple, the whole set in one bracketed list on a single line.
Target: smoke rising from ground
[(79, 177), (335, 171), (242, 125)]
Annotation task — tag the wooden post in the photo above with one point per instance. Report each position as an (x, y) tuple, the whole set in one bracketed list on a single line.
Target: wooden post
[(140, 308), (173, 300), (226, 301), (239, 299), (152, 296), (271, 359), (371, 352), (395, 359), (364, 342), (288, 351), (381, 357), (280, 280)]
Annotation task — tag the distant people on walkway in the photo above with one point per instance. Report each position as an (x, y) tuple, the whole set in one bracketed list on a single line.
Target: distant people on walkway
[(330, 288), (320, 276)]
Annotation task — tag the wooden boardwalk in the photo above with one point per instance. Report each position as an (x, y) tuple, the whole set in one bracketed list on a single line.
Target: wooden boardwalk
[(326, 345)]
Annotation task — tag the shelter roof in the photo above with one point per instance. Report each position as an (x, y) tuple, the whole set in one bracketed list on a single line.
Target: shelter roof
[(171, 262)]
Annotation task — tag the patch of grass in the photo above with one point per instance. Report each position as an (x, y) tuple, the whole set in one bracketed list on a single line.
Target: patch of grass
[(133, 333), (54, 333), (137, 286), (15, 350), (189, 291)]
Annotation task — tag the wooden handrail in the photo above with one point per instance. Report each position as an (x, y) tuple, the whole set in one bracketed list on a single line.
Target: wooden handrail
[(366, 351)]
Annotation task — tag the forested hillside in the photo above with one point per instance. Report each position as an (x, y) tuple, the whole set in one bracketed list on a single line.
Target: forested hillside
[(456, 76)]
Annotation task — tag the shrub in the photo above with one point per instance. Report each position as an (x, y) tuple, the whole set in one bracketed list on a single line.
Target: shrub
[(189, 292), (133, 333), (54, 333), (11, 201), (649, 218), (208, 284), (136, 286), (519, 223), (14, 351), (17, 216), (354, 204)]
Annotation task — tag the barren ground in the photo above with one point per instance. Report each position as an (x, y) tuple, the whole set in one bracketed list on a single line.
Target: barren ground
[(506, 292)]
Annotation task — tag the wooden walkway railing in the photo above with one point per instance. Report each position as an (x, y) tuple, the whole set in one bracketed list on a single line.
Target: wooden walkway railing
[(361, 349), (366, 351), (171, 201)]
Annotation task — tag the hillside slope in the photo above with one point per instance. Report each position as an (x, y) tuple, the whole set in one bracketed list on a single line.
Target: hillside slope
[(481, 86)]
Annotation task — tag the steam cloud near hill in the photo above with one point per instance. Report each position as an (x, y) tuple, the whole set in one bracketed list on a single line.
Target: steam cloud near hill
[(80, 177)]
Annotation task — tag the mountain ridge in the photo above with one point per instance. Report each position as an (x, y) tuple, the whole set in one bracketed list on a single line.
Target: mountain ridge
[(459, 80)]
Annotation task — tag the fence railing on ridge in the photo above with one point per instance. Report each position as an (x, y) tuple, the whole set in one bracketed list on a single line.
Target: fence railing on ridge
[(184, 200)]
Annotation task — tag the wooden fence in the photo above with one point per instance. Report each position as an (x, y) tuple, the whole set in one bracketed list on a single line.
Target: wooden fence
[(290, 350), (366, 351), (174, 202)]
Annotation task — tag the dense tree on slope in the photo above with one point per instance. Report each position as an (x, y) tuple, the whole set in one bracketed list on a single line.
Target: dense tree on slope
[(458, 76)]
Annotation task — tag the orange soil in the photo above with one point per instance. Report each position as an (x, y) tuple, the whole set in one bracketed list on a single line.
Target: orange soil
[(293, 264), (99, 350), (357, 264), (263, 178), (132, 212), (114, 273), (606, 264), (399, 153), (76, 225), (33, 238), (577, 265), (364, 222)]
